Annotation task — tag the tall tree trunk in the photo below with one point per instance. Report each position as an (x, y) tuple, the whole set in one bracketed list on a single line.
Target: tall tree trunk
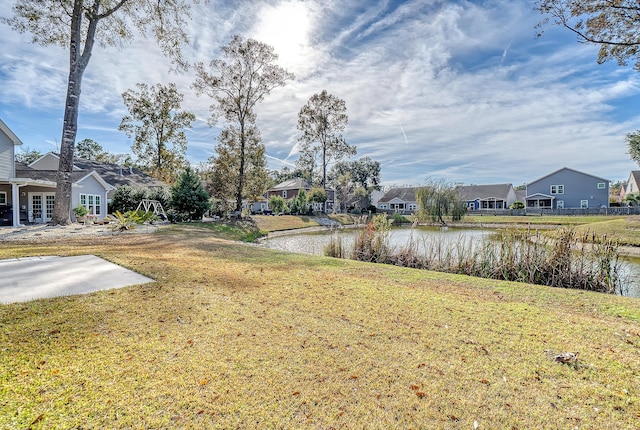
[(324, 166), (62, 208), (243, 140)]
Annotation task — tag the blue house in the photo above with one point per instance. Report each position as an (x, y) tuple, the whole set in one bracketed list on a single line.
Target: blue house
[(567, 189)]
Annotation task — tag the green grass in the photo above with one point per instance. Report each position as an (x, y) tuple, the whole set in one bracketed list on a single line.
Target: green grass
[(237, 336), (283, 222), (625, 231), (546, 220), (240, 230)]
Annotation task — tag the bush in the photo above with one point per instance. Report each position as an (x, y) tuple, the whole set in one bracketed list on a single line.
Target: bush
[(399, 219), (372, 242), (278, 204), (517, 205)]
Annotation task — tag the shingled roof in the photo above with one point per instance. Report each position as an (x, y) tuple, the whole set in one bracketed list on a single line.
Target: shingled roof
[(404, 194), (117, 175), (473, 192)]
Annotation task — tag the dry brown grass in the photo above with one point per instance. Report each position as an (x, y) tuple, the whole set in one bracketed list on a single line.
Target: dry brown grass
[(236, 336)]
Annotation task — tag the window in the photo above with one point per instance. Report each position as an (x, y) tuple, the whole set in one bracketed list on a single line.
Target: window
[(584, 204), (560, 204), (601, 185), (92, 203), (284, 194), (3, 198), (557, 189)]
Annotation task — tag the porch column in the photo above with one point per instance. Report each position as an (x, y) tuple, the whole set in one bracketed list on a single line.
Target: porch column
[(15, 202)]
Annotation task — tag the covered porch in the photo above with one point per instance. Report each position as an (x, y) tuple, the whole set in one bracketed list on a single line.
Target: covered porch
[(539, 201)]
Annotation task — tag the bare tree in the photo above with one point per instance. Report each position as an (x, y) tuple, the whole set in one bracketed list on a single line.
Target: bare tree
[(321, 121), (78, 25), (238, 82)]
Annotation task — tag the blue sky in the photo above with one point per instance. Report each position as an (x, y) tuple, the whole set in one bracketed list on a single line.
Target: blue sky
[(455, 90)]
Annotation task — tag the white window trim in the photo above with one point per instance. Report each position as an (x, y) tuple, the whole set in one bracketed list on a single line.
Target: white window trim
[(559, 204), (584, 204), (284, 194), (95, 208), (3, 201), (559, 189), (601, 185)]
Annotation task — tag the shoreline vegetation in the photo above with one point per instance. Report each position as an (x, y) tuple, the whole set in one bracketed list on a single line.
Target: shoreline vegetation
[(237, 336), (563, 259)]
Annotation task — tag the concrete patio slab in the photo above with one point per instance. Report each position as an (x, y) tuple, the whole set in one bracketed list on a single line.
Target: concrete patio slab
[(25, 279)]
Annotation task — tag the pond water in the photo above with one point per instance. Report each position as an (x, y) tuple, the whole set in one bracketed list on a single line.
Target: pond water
[(315, 243)]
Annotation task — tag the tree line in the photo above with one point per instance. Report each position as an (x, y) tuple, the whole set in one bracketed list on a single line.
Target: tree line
[(78, 25)]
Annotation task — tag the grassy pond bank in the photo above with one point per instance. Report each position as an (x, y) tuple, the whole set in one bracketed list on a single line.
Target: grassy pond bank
[(238, 336)]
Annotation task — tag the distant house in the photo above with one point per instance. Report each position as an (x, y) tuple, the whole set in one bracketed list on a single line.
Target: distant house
[(30, 193), (521, 195), (401, 200), (632, 185), (567, 189), (486, 197), (362, 203), (289, 189)]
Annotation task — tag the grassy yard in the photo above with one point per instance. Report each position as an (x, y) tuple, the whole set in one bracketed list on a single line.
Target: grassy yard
[(625, 231), (283, 222), (238, 336), (539, 220)]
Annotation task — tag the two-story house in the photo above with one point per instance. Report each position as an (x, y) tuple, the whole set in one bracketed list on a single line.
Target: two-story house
[(289, 189), (567, 189)]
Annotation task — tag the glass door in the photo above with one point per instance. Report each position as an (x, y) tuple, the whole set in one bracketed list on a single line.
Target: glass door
[(36, 208), (49, 203)]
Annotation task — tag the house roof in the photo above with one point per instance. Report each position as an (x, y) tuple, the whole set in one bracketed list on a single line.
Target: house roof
[(113, 174), (481, 192), (117, 175), (538, 196), (567, 168), (404, 194), (291, 184), (635, 174), (23, 171), (10, 134)]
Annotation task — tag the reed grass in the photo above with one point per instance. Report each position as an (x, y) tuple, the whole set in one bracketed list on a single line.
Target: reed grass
[(580, 261)]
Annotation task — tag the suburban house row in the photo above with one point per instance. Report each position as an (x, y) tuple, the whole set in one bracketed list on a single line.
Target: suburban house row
[(563, 189), (27, 192)]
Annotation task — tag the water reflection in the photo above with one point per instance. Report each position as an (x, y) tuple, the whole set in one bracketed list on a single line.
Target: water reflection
[(316, 242)]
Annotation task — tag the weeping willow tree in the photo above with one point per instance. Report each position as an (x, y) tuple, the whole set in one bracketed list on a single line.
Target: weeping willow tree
[(437, 201)]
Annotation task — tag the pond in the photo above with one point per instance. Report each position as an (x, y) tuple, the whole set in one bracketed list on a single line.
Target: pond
[(314, 243)]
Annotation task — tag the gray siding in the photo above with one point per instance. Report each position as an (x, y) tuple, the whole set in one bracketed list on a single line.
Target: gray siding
[(90, 186), (46, 162), (6, 157), (577, 186)]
